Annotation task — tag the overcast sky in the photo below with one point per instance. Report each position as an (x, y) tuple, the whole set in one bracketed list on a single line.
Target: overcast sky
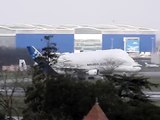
[(133, 12)]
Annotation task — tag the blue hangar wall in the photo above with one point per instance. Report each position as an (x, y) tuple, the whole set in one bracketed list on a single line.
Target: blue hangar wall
[(147, 42), (64, 42)]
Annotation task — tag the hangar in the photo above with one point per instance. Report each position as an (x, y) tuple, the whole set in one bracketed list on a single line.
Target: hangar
[(76, 38)]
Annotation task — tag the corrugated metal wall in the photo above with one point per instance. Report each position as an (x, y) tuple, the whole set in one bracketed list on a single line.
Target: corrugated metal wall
[(7, 41), (64, 42), (147, 41)]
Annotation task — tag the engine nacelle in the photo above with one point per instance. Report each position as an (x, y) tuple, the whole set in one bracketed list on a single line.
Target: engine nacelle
[(93, 72)]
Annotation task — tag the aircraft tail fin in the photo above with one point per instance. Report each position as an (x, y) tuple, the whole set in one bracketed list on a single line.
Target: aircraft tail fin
[(34, 53), (146, 64), (22, 65)]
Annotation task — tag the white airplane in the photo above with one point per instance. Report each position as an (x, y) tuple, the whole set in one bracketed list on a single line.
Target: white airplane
[(92, 62), (151, 65)]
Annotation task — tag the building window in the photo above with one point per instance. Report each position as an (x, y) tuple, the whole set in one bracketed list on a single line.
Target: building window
[(87, 42), (131, 44)]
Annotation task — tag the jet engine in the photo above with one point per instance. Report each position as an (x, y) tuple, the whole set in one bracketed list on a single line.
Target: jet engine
[(93, 72)]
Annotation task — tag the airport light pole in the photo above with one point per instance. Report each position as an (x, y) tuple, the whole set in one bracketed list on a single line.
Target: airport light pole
[(112, 43), (153, 45)]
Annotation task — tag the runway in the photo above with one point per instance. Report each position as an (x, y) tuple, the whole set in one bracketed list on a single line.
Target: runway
[(154, 76), (151, 74), (155, 96)]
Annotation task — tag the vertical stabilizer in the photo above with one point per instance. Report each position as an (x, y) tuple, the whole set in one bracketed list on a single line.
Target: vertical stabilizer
[(22, 65), (34, 53)]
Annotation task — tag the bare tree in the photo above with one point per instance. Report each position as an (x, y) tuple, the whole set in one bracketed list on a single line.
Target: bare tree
[(9, 84), (110, 66)]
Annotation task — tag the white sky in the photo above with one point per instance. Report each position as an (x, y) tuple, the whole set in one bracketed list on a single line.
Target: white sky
[(133, 12)]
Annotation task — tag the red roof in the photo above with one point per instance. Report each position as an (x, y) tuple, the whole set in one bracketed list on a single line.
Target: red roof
[(96, 113)]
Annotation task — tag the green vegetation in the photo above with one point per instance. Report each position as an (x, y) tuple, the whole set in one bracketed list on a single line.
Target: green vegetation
[(63, 98)]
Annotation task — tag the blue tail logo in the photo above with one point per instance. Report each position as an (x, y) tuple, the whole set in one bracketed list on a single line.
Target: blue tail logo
[(34, 53)]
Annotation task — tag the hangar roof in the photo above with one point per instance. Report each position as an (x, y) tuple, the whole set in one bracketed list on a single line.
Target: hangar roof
[(77, 29)]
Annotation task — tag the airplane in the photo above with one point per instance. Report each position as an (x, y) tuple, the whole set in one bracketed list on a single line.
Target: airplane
[(151, 65), (92, 62)]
